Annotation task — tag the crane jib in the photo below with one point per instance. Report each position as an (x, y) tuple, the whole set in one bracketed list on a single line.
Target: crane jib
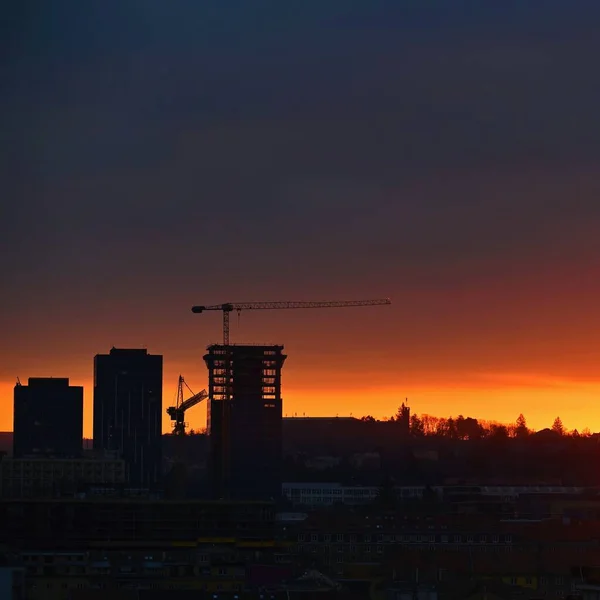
[(228, 307)]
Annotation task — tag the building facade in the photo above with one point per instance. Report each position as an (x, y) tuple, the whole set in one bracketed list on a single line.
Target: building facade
[(244, 420), (52, 477), (127, 545), (128, 411), (48, 418)]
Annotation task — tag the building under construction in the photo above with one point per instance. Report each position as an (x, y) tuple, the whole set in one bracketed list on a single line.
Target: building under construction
[(244, 420)]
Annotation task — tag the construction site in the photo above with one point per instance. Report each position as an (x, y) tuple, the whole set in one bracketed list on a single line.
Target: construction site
[(245, 406)]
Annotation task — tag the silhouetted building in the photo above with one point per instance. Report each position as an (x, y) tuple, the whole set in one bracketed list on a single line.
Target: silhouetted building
[(128, 411), (48, 418), (244, 420)]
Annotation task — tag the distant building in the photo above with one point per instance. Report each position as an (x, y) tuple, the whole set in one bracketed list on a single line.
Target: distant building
[(244, 420), (48, 418), (22, 478), (128, 411)]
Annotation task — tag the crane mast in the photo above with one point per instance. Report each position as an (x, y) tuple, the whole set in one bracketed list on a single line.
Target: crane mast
[(229, 307)]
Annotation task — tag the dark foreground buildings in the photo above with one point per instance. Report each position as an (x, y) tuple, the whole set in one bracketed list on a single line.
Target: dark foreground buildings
[(48, 418), (244, 420), (128, 411)]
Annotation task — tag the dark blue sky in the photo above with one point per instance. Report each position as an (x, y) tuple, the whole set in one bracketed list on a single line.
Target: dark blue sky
[(157, 155)]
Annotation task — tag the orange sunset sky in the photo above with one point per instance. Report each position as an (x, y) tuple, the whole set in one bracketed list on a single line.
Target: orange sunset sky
[(156, 158)]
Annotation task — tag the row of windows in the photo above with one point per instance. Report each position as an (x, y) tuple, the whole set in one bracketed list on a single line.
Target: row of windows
[(50, 585), (417, 491), (443, 538), (379, 549)]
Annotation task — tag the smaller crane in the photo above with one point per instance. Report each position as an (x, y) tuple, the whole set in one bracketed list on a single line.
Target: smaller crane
[(177, 412)]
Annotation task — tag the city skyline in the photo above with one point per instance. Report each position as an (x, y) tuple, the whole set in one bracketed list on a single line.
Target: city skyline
[(159, 157), (196, 417)]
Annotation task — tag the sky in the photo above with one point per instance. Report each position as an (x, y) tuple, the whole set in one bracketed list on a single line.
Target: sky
[(156, 155)]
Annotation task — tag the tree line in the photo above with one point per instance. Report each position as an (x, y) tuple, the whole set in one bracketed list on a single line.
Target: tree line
[(469, 428)]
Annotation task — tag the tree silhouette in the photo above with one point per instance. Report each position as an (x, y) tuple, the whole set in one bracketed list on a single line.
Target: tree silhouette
[(441, 427), (468, 429), (429, 424), (558, 426), (402, 412), (416, 426), (465, 428), (521, 429), (498, 431)]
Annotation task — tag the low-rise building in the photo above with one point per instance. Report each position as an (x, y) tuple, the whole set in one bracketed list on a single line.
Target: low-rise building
[(52, 477), (319, 494), (70, 546), (539, 557)]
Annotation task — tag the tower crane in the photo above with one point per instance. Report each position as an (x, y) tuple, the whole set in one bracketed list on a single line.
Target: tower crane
[(177, 412), (239, 306)]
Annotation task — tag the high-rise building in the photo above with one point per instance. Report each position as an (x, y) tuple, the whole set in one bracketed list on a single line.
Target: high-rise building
[(244, 420), (48, 418), (128, 411)]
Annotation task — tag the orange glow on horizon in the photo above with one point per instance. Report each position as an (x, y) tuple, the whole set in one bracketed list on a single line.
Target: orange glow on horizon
[(488, 396), (522, 343)]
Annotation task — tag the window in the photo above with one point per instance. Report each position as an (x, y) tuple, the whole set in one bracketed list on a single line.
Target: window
[(340, 537), (301, 537), (314, 537), (379, 549), (496, 539)]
